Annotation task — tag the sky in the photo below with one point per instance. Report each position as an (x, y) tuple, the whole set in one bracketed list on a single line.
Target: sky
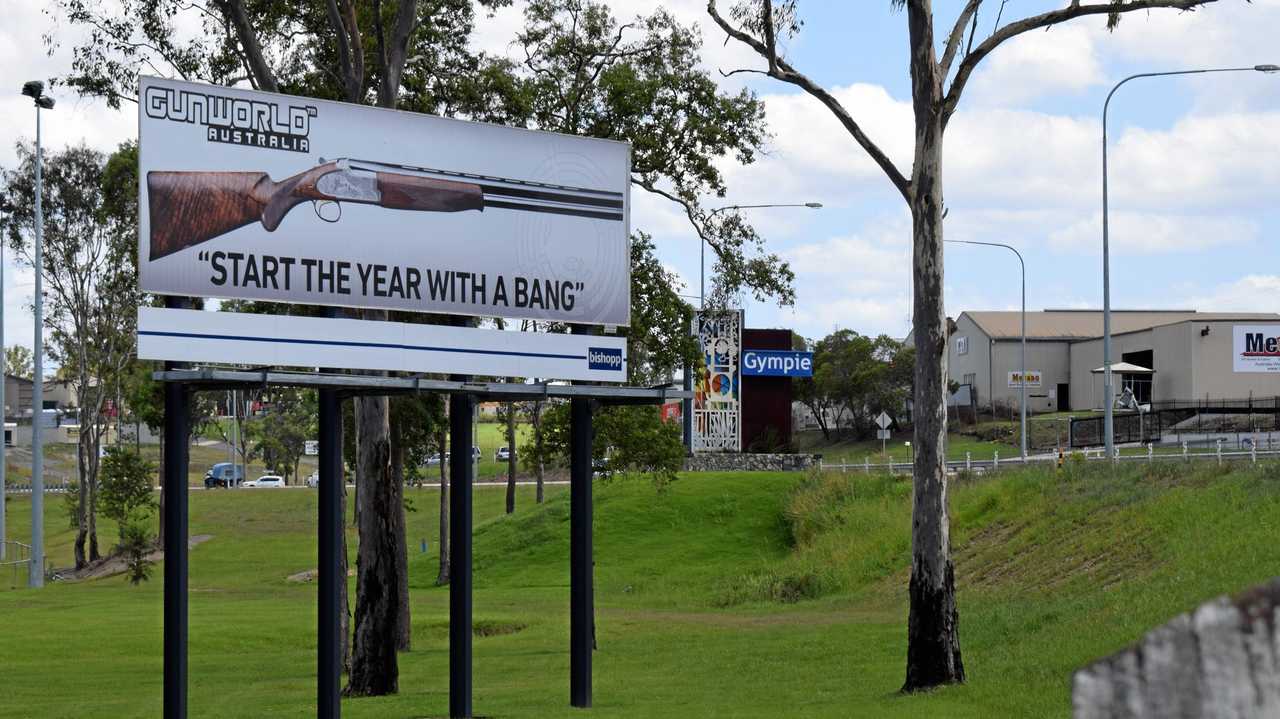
[(1194, 162)]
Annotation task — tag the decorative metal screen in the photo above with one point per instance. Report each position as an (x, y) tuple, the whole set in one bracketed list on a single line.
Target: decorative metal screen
[(717, 401)]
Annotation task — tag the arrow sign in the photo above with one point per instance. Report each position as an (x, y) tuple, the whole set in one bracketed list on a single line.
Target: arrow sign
[(884, 420)]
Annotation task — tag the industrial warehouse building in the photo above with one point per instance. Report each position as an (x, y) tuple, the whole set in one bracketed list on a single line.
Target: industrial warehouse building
[(1162, 355)]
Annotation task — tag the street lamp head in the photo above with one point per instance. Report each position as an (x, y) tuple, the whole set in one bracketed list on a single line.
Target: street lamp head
[(33, 89), (1269, 69), (44, 102), (813, 205)]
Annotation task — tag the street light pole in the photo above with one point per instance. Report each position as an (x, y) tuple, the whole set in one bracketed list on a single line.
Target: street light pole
[(1022, 380), (35, 90), (702, 265), (1107, 390)]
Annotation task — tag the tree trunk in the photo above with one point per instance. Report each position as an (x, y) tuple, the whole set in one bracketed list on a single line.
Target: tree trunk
[(933, 640), (537, 443), (160, 475), (82, 507), (443, 544), (511, 458), (404, 628), (374, 670), (344, 600)]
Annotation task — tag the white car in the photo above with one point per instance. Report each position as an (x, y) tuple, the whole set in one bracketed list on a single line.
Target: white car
[(502, 454), (266, 480)]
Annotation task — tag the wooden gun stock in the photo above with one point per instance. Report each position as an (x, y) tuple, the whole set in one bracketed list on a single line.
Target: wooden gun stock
[(188, 208)]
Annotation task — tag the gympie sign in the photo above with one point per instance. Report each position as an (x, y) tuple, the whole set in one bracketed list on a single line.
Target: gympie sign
[(777, 363)]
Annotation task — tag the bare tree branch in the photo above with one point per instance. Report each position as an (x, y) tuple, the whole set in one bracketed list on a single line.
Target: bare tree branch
[(233, 10), (1045, 20), (770, 43), (969, 12), (342, 37), (394, 58), (782, 70)]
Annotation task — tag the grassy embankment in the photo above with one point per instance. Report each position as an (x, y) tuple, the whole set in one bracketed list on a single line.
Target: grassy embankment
[(728, 595)]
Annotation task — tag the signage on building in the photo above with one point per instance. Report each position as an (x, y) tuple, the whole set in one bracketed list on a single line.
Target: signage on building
[(717, 401), (777, 363), (1255, 348), (1033, 378), (252, 195), (289, 341)]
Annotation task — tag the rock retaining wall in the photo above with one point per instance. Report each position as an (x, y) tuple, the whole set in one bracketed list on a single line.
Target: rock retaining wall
[(735, 462)]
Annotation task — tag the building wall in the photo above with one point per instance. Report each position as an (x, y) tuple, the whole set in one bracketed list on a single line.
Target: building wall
[(1188, 366), (1215, 375), (766, 401), (1050, 358), (977, 361), (1086, 356)]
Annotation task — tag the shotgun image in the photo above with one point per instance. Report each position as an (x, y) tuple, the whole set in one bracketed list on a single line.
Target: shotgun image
[(189, 208)]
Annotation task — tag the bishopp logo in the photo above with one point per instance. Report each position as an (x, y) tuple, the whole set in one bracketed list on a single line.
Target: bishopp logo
[(605, 358)]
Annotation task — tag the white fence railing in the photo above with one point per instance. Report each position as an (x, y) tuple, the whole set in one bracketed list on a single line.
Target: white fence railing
[(1252, 455)]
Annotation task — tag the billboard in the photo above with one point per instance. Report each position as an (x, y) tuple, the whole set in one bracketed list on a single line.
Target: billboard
[(1255, 348), (777, 363), (253, 195), (717, 390), (1034, 378), (290, 341)]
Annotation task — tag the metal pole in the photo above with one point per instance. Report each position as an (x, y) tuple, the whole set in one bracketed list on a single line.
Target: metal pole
[(37, 390), (175, 542), (1107, 424), (581, 600), (4, 414), (462, 473), (328, 624), (1022, 382)]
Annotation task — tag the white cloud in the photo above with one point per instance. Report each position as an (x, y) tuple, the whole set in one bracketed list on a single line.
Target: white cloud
[(1063, 60), (1251, 293), (1151, 234)]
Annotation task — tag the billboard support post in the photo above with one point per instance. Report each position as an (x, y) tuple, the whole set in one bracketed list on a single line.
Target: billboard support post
[(328, 624), (581, 599), (462, 472), (176, 432)]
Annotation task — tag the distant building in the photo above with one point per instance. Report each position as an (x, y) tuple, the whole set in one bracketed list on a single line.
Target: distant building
[(1161, 354), (17, 397)]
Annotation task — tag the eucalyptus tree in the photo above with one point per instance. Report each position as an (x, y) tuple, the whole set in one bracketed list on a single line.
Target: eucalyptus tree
[(940, 67), (90, 276)]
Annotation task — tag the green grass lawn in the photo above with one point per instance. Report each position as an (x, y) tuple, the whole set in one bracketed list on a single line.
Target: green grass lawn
[(734, 595), (855, 451)]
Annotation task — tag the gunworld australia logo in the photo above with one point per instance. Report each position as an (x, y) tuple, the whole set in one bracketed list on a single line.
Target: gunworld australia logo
[(604, 358), (254, 123)]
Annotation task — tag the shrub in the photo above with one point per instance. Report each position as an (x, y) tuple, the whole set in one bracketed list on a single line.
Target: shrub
[(136, 545)]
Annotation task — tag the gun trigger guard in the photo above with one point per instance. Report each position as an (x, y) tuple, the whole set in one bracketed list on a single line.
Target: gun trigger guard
[(317, 204)]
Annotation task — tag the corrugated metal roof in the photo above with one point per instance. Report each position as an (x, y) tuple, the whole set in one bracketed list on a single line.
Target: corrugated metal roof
[(1087, 324)]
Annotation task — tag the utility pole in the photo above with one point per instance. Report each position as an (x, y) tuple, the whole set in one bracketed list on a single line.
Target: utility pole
[(35, 90)]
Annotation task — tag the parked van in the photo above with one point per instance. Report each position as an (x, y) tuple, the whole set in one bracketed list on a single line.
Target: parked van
[(224, 474)]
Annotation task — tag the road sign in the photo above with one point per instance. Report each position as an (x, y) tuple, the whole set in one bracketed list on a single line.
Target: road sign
[(884, 420), (882, 434)]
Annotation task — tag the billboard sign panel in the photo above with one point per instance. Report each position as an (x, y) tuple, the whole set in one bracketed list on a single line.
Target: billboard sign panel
[(290, 341), (1255, 348), (1034, 378), (776, 363), (252, 195)]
